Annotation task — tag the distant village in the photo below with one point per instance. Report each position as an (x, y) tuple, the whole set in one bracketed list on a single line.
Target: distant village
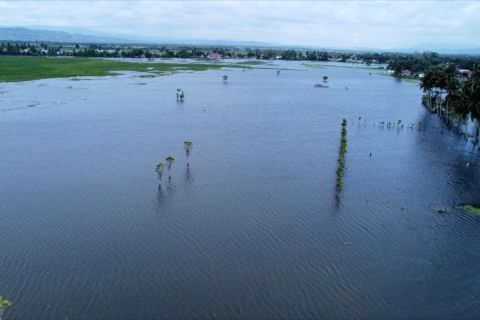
[(398, 64)]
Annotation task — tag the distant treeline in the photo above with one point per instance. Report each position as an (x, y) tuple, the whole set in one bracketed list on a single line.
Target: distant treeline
[(422, 62), (415, 62)]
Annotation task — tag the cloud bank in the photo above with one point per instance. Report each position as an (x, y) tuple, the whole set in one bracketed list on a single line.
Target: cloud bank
[(389, 24)]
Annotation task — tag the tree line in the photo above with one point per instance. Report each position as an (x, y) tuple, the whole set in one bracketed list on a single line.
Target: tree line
[(396, 61), (416, 62), (422, 61)]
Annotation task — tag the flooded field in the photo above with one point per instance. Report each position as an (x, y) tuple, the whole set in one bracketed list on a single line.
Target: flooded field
[(254, 227)]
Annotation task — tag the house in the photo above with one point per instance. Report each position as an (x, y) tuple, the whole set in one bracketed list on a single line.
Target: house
[(465, 72), (406, 72), (215, 56)]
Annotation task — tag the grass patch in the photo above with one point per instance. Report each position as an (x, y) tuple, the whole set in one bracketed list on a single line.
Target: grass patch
[(359, 67), (251, 62), (18, 68), (471, 209), (310, 65), (410, 80)]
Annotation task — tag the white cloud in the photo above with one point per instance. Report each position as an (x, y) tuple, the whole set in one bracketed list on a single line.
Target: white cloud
[(329, 24)]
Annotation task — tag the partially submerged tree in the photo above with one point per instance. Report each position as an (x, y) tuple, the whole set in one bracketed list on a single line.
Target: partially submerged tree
[(159, 169), (188, 145), (454, 98), (4, 304), (180, 95), (225, 78), (170, 160)]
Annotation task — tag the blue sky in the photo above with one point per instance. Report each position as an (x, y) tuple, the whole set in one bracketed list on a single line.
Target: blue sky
[(341, 24)]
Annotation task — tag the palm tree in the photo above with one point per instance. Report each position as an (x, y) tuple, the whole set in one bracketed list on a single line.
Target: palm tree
[(437, 81), (4, 304), (466, 101), (170, 160), (188, 145)]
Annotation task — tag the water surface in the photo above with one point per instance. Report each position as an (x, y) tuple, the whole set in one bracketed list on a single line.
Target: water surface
[(253, 228)]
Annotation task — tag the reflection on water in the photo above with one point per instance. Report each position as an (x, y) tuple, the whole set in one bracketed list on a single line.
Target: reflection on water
[(252, 228), (188, 174)]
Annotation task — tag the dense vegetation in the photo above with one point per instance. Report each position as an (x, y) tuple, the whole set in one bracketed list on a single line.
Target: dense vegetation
[(421, 62)]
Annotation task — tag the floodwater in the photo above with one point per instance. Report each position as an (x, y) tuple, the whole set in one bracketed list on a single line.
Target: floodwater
[(253, 228)]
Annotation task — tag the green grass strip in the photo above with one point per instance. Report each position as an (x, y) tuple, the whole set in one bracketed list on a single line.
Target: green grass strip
[(23, 68)]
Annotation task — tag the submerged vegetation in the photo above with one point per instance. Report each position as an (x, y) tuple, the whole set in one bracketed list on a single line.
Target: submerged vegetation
[(341, 156), (170, 160), (4, 304), (188, 145), (471, 209)]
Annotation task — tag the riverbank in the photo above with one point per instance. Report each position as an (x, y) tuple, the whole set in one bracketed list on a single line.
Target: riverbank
[(24, 68)]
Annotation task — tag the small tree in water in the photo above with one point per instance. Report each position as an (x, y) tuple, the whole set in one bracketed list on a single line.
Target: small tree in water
[(4, 304), (159, 169), (170, 160), (188, 145), (225, 78), (180, 95)]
